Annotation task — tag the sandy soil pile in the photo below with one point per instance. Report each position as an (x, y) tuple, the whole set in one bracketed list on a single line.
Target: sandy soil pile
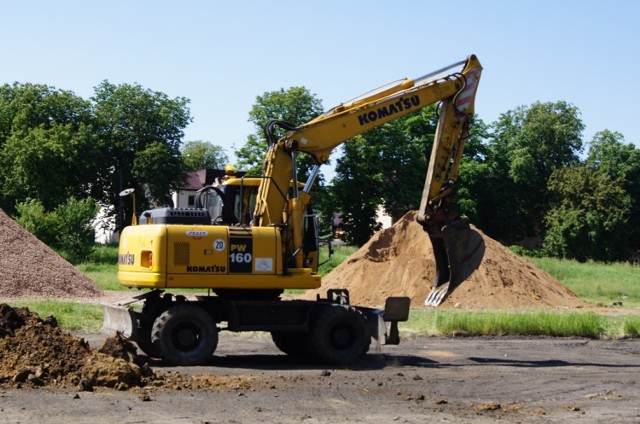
[(30, 269), (399, 261)]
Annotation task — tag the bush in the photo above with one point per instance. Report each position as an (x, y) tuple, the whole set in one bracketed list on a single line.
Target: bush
[(523, 251), (104, 254), (68, 229), (33, 218), (76, 234)]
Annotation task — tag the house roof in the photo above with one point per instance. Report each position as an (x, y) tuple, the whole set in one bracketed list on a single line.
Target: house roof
[(204, 177)]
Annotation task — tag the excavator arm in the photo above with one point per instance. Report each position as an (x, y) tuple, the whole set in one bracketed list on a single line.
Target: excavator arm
[(449, 233)]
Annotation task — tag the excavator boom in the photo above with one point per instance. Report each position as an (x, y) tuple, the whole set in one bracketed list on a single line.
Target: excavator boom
[(457, 248)]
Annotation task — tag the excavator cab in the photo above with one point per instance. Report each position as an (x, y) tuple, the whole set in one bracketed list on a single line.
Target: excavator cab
[(232, 202)]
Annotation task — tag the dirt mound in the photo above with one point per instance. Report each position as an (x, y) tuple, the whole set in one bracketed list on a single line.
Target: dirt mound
[(30, 269), (399, 261), (36, 352)]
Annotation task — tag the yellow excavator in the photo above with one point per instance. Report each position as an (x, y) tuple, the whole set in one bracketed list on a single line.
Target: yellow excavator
[(251, 238)]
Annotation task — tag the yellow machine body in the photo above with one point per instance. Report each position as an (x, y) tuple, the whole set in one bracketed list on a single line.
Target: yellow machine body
[(161, 256)]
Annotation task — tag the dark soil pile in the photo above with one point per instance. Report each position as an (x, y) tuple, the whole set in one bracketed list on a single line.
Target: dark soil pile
[(36, 352), (30, 269), (399, 261)]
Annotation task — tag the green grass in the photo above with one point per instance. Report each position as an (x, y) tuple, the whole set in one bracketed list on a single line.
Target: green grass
[(340, 253), (596, 282), (541, 323), (631, 326), (593, 282), (105, 254), (71, 316), (104, 275), (102, 268)]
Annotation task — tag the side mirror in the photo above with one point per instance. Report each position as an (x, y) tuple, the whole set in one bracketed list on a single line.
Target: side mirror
[(132, 192)]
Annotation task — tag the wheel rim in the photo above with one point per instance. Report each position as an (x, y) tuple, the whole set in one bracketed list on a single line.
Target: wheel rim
[(342, 337), (186, 337), (339, 334)]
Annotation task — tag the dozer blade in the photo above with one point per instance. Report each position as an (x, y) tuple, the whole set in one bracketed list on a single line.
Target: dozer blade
[(119, 319), (458, 251)]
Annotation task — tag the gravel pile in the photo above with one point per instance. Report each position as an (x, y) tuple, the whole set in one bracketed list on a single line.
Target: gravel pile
[(30, 269)]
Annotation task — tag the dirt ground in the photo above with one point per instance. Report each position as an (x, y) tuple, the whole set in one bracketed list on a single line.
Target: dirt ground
[(421, 380)]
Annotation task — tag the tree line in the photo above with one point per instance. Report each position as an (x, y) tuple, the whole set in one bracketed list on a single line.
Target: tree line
[(529, 176)]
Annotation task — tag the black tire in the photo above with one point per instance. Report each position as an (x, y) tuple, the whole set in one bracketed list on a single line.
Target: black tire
[(144, 343), (184, 335), (153, 306), (340, 335), (293, 343)]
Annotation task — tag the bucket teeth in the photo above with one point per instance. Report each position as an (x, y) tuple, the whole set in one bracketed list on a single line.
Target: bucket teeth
[(437, 295), (458, 251)]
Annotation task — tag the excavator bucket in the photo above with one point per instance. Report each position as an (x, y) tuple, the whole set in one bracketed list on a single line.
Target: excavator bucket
[(458, 251)]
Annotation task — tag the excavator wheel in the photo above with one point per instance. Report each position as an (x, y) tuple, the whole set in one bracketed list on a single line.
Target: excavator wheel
[(184, 334), (340, 335), (153, 306), (293, 343), (144, 343)]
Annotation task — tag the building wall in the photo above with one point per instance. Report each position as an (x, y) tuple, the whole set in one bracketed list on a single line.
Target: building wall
[(184, 198)]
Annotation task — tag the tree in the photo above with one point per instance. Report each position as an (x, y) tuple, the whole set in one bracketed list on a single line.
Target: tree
[(357, 193), (203, 155), (592, 203), (147, 162), (295, 105), (473, 194), (608, 153), (48, 149), (387, 166), (472, 188), (526, 146), (404, 147), (136, 124), (589, 215)]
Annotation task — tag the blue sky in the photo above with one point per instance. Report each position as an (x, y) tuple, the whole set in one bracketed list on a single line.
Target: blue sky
[(221, 55)]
